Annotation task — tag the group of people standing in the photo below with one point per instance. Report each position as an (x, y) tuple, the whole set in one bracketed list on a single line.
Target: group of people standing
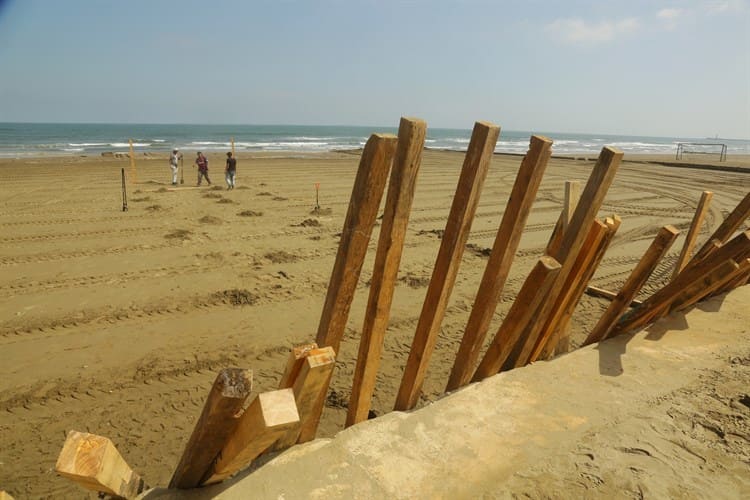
[(202, 163)]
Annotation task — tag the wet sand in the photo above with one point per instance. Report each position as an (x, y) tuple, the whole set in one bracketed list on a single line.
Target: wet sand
[(116, 322)]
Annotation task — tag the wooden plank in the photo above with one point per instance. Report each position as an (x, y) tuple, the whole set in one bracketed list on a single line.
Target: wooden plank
[(572, 195), (726, 229), (216, 423), (578, 286), (269, 416), (411, 137), (601, 293), (474, 171), (718, 278), (508, 335), (294, 364), (737, 249), (94, 463), (591, 200), (638, 277), (309, 388), (360, 218), (4, 495), (740, 280), (498, 266), (692, 236), (590, 248)]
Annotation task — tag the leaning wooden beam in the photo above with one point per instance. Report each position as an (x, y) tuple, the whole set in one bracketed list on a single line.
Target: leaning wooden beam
[(309, 388), (720, 276), (215, 424), (591, 200), (411, 137), (360, 219), (5, 495), (585, 258), (498, 266), (269, 416), (474, 171), (572, 195), (656, 251), (740, 280), (582, 280), (294, 364), (692, 236), (601, 293), (528, 299), (94, 463), (738, 248), (726, 229)]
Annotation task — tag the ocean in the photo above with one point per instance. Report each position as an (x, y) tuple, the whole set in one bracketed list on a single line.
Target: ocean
[(35, 139)]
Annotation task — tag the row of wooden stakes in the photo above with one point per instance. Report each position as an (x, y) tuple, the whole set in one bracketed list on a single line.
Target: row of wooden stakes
[(228, 437)]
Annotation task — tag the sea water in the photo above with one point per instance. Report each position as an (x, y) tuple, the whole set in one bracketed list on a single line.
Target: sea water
[(35, 139)]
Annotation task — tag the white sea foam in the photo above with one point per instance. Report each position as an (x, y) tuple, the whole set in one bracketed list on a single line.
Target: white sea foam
[(126, 144), (87, 144)]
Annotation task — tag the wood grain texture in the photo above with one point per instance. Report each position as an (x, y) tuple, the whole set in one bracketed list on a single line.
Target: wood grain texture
[(311, 387), (726, 229), (692, 235), (294, 364)]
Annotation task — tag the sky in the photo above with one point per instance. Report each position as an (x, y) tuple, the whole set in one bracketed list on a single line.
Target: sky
[(634, 67)]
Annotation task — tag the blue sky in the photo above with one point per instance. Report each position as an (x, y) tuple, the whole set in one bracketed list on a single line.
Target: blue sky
[(635, 67)]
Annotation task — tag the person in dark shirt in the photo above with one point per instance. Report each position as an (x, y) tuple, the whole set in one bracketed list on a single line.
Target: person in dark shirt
[(202, 163), (230, 170)]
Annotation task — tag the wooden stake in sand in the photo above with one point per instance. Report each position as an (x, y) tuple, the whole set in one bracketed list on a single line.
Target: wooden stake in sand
[(215, 424), (411, 137), (508, 335), (124, 192), (725, 230), (133, 172), (232, 141), (498, 266), (465, 201), (695, 228), (269, 416), (596, 291), (656, 251), (95, 464), (294, 364), (360, 219), (572, 195)]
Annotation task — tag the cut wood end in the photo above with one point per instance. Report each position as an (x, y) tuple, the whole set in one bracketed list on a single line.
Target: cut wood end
[(540, 139), (385, 137), (278, 407), (82, 454), (486, 125), (322, 356), (413, 122), (235, 382), (670, 229), (549, 262), (612, 151)]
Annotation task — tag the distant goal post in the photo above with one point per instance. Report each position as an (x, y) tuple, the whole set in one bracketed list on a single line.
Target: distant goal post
[(705, 148)]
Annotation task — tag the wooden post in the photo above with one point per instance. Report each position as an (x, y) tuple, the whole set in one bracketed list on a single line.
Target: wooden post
[(591, 200), (310, 387), (94, 463), (695, 228), (215, 424), (584, 259), (718, 278), (503, 250), (596, 291), (269, 416), (633, 284), (572, 195), (294, 364), (360, 219), (4, 495), (508, 335), (232, 141), (411, 137), (737, 249), (588, 269), (726, 229), (133, 171), (475, 167)]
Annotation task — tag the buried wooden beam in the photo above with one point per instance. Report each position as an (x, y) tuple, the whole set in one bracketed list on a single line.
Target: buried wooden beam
[(570, 202), (498, 266), (638, 277), (719, 277), (508, 335), (588, 268), (360, 218), (94, 463), (737, 249), (541, 327), (692, 235), (216, 423), (601, 293), (269, 416), (294, 364), (309, 387), (465, 201), (411, 138), (725, 230)]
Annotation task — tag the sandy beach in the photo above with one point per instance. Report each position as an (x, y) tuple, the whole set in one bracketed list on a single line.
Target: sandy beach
[(116, 322)]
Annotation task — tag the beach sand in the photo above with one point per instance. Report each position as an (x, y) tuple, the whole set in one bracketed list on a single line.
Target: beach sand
[(116, 322)]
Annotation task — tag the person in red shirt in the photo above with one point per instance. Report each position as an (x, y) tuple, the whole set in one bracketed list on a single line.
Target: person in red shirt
[(202, 163)]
